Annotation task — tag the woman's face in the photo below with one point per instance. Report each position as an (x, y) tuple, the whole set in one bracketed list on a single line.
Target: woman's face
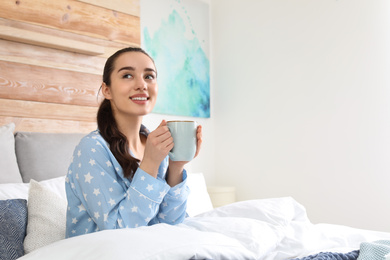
[(133, 89)]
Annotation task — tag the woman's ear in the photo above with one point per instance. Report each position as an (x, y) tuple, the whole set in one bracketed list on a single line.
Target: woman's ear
[(106, 91)]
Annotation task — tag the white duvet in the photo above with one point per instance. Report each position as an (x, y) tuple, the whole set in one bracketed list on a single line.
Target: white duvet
[(258, 229)]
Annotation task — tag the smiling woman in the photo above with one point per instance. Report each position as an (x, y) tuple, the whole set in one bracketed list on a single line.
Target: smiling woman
[(119, 176)]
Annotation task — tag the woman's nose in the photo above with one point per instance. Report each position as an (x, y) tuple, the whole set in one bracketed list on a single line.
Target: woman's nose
[(141, 84)]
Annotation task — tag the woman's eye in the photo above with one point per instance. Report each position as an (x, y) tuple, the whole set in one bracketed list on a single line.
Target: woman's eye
[(127, 76), (149, 77)]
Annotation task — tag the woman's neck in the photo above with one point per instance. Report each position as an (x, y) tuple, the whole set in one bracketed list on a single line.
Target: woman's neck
[(130, 127)]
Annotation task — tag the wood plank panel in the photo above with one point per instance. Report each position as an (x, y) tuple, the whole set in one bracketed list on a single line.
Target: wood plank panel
[(109, 46), (128, 7), (31, 109), (48, 125), (40, 56), (74, 16), (28, 82), (49, 41)]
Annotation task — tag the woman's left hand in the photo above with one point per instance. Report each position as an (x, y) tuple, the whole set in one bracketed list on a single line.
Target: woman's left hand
[(199, 138)]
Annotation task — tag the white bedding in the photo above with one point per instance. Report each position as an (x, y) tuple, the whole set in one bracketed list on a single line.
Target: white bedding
[(258, 229)]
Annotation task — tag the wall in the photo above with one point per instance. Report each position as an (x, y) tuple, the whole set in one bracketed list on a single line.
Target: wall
[(302, 105)]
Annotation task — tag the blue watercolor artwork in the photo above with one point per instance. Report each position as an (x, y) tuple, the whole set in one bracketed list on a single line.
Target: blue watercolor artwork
[(175, 34)]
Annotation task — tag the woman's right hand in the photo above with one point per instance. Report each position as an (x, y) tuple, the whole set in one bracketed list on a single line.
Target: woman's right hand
[(158, 145)]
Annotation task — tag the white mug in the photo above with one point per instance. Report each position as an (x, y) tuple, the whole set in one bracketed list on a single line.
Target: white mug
[(184, 139)]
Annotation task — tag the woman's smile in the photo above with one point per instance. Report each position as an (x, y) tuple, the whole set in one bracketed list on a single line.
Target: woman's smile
[(139, 99)]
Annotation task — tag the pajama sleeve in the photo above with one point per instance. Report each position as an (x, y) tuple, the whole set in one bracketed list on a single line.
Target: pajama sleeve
[(174, 205)]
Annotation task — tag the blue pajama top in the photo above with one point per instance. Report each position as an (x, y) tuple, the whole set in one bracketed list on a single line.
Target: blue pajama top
[(99, 197)]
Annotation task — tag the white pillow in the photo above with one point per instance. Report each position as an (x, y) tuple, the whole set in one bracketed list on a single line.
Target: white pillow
[(46, 217), (199, 200), (11, 191), (8, 164), (20, 190), (56, 185)]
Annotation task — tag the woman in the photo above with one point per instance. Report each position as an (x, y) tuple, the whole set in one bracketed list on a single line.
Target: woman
[(119, 175)]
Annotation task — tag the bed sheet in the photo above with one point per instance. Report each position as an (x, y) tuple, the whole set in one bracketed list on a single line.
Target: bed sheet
[(258, 229)]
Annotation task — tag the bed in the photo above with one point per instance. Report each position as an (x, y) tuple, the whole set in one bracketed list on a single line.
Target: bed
[(33, 206), (45, 87)]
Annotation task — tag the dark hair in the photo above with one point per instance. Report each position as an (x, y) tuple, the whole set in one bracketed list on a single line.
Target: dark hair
[(119, 145)]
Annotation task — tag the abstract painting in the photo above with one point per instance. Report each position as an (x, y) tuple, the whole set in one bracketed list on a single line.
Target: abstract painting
[(176, 34)]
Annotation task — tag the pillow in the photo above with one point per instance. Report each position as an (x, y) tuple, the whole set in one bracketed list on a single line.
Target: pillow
[(199, 200), (44, 155), (8, 164), (13, 222), (13, 191), (20, 190), (46, 217), (56, 185)]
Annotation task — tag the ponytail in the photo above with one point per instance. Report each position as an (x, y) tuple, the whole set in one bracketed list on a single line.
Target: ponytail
[(117, 141)]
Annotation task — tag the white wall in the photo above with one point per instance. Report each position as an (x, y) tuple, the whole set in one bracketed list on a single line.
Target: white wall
[(301, 105)]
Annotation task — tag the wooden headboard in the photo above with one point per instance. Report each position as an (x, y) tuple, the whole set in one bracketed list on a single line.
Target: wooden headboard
[(52, 55)]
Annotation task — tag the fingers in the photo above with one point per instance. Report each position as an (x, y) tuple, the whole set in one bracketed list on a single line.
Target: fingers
[(158, 145), (199, 132), (161, 138), (166, 140), (162, 134), (199, 136), (161, 129), (163, 123)]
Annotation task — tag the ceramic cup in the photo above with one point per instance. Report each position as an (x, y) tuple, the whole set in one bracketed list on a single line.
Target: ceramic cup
[(184, 139)]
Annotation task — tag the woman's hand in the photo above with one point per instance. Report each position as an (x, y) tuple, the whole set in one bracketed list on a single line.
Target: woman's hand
[(158, 145), (175, 170), (199, 138)]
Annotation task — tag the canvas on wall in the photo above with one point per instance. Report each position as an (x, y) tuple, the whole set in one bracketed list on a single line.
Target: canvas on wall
[(176, 34)]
